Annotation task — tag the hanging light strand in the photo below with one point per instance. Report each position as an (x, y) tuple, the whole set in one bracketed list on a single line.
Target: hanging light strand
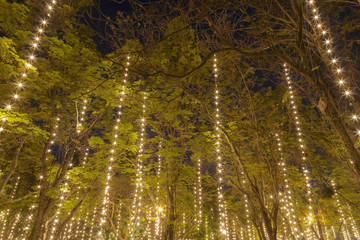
[(340, 209), (7, 212), (221, 207), (63, 191), (331, 59), (198, 195), (136, 207), (30, 58), (301, 146), (159, 208), (112, 154), (286, 195)]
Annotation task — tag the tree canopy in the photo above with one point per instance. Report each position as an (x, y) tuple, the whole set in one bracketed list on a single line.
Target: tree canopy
[(179, 119)]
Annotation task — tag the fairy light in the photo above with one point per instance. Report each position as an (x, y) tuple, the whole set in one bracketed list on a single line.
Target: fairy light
[(58, 211), (221, 208), (184, 224), (234, 237), (247, 216), (27, 223), (301, 146), (339, 208), (331, 59), (83, 231), (91, 231), (31, 58), (198, 195), (136, 207), (112, 153), (159, 209), (17, 219), (285, 196), (7, 212), (354, 228)]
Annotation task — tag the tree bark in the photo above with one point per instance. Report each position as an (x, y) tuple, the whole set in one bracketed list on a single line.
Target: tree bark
[(14, 163)]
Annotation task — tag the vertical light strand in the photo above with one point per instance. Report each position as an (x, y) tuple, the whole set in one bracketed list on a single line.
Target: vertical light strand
[(301, 146), (198, 196), (354, 228), (58, 211), (119, 221), (220, 175), (325, 230), (27, 223), (339, 209), (234, 237), (7, 212), (83, 230), (29, 59), (17, 219), (136, 207), (247, 217), (81, 115), (112, 154), (286, 196), (158, 207), (91, 230)]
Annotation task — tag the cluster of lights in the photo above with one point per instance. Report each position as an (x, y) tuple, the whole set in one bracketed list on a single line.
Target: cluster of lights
[(286, 195), (301, 145), (333, 61), (159, 209), (136, 206), (106, 202), (31, 58), (198, 195), (221, 207), (7, 212)]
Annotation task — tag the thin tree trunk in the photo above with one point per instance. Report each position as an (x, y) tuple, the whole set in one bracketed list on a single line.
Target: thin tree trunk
[(14, 163)]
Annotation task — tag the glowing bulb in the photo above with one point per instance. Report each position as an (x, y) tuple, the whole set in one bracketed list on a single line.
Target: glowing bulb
[(8, 107), (16, 96), (347, 93)]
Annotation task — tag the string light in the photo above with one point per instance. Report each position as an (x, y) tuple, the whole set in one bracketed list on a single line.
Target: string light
[(301, 146), (331, 59), (198, 195), (31, 58), (106, 202), (17, 218), (221, 208), (159, 209), (136, 207), (7, 212), (285, 196), (354, 228), (58, 211), (92, 224), (339, 209)]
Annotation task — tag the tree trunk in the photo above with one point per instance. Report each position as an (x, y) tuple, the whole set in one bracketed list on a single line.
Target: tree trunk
[(8, 175)]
